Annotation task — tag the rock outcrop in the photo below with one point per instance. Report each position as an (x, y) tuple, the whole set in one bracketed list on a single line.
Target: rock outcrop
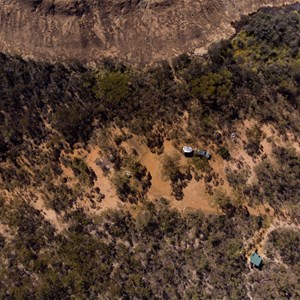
[(135, 31)]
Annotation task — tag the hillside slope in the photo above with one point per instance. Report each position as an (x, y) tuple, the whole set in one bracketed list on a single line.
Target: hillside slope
[(138, 32), (97, 200)]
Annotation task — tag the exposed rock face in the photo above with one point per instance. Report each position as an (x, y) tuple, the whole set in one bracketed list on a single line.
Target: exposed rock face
[(135, 31)]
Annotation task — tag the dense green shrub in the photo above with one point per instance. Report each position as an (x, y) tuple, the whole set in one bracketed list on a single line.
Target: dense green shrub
[(113, 86), (223, 152)]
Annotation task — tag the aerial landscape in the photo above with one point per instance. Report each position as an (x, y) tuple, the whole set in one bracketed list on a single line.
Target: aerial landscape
[(149, 149)]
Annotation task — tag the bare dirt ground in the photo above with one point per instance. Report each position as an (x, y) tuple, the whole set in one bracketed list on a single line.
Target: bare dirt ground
[(67, 172), (271, 133), (49, 214), (261, 210), (153, 163), (135, 32), (111, 199), (6, 231), (35, 199), (159, 188), (270, 138), (196, 197)]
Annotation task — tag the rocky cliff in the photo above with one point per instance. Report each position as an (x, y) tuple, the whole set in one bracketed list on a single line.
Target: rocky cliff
[(135, 31)]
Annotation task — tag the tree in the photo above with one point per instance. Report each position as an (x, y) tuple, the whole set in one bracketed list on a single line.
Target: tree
[(112, 86), (170, 167)]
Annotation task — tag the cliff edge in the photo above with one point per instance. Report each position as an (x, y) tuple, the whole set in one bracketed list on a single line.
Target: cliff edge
[(135, 31)]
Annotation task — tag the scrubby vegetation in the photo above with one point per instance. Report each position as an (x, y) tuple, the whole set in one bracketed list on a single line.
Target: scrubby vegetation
[(278, 182), (281, 274), (50, 116), (233, 82), (160, 253)]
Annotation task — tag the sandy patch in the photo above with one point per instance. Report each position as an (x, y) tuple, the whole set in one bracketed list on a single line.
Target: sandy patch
[(195, 197), (219, 165), (67, 172), (49, 214), (6, 231), (153, 163), (261, 210), (290, 141), (111, 199)]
